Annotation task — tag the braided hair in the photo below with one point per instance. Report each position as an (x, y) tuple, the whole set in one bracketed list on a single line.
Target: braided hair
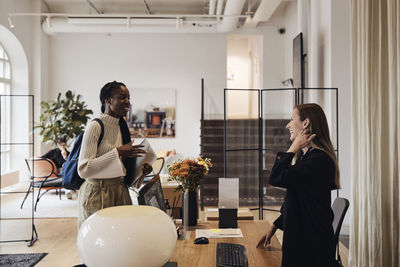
[(107, 91)]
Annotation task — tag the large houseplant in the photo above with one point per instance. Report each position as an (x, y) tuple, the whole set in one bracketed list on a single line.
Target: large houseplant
[(63, 117)]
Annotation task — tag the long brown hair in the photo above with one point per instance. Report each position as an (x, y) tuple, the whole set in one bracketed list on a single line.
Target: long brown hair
[(319, 126)]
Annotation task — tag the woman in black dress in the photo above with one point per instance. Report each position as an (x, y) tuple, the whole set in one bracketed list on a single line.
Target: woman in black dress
[(309, 171)]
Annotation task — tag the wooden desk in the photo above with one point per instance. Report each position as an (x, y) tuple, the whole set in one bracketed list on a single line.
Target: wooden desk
[(188, 254)]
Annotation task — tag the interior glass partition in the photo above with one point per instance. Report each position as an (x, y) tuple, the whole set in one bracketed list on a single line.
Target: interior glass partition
[(276, 109), (243, 137), (241, 142)]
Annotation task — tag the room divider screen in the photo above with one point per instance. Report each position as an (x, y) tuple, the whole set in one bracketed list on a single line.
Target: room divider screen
[(255, 130), (17, 225)]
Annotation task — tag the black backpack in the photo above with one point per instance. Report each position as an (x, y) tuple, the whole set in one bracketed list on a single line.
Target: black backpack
[(71, 178)]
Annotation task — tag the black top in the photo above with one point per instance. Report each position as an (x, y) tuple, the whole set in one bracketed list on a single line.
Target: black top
[(56, 156), (306, 214)]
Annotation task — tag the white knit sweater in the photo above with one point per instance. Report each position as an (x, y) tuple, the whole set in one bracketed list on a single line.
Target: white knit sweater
[(101, 162)]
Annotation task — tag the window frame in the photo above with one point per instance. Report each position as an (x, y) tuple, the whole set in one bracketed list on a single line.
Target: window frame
[(5, 109)]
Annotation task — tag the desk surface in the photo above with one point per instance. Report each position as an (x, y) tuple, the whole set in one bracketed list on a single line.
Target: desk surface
[(188, 254)]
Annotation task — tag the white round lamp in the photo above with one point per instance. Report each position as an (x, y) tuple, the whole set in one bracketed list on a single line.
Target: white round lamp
[(127, 236)]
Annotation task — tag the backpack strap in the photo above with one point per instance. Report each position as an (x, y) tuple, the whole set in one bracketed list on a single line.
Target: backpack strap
[(102, 130)]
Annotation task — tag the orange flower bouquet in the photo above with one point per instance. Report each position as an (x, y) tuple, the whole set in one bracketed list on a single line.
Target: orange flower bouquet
[(188, 173)]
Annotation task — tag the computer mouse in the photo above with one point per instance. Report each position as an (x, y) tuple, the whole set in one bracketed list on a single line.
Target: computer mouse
[(201, 240)]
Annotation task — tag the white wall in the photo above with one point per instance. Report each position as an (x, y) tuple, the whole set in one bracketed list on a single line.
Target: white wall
[(341, 78), (273, 57), (84, 63), (290, 25), (24, 50)]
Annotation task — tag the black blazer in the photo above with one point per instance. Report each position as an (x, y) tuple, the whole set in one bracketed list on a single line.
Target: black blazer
[(306, 214)]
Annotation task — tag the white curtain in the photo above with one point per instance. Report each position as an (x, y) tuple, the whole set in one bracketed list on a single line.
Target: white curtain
[(374, 236)]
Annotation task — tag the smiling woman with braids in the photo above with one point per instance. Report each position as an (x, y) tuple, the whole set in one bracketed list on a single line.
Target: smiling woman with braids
[(108, 168), (309, 171)]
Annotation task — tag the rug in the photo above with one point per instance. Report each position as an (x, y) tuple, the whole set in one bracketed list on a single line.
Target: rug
[(49, 206), (21, 260)]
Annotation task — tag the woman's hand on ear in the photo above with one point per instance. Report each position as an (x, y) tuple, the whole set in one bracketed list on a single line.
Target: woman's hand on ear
[(302, 140)]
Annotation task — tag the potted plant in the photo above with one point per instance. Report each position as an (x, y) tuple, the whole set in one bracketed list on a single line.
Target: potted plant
[(189, 174), (65, 117)]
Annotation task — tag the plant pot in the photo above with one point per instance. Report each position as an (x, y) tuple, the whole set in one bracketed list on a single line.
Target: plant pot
[(192, 208)]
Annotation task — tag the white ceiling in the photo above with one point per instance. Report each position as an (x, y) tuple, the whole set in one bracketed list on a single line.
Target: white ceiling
[(200, 7), (261, 12)]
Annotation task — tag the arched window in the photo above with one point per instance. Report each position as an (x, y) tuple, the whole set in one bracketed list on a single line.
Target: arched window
[(5, 89)]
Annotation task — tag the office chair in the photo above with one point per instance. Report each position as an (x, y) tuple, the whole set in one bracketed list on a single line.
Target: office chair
[(43, 175), (339, 207)]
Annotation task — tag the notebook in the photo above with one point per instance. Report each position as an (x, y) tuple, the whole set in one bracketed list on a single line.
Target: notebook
[(148, 158)]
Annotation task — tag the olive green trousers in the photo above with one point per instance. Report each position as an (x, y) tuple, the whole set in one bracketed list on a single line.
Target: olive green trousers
[(97, 194)]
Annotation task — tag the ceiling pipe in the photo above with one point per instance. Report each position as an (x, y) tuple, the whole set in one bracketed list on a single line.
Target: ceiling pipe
[(232, 8), (264, 12), (211, 7), (219, 7), (60, 23)]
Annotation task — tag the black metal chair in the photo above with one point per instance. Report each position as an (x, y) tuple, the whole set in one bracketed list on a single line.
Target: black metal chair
[(43, 175), (339, 207)]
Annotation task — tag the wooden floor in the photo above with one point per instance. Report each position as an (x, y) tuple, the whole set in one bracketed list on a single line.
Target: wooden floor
[(57, 237)]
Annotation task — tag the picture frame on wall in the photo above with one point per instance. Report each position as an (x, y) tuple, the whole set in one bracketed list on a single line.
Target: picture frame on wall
[(152, 113)]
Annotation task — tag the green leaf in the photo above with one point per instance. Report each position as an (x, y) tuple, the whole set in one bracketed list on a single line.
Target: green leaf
[(69, 95), (63, 116), (44, 105)]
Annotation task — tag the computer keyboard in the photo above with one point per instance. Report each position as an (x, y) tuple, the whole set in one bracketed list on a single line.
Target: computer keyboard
[(231, 255)]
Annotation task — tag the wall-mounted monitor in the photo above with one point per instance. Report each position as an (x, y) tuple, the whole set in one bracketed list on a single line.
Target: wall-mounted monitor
[(298, 62)]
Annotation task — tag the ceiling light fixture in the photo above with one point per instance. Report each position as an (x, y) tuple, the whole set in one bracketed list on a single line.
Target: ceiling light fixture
[(48, 21), (179, 22), (10, 22), (249, 13)]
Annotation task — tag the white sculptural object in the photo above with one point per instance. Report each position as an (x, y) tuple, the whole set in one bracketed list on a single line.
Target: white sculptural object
[(127, 236)]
